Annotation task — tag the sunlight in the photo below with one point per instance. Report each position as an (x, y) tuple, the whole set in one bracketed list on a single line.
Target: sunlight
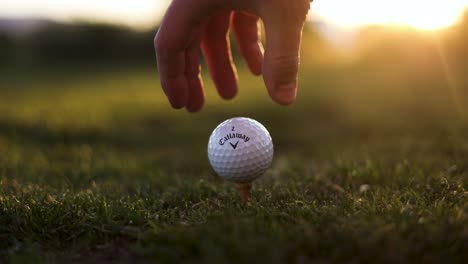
[(138, 14), (421, 14)]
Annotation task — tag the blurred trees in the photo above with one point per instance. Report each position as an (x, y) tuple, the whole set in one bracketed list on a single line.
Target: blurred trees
[(77, 44), (7, 47), (80, 44), (92, 43)]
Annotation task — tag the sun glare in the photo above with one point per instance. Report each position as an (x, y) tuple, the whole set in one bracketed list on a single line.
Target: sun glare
[(139, 14), (421, 14)]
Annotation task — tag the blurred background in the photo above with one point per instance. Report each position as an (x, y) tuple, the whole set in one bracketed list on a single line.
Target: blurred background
[(83, 72), (370, 161)]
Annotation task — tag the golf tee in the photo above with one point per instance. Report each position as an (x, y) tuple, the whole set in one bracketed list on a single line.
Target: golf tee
[(244, 191)]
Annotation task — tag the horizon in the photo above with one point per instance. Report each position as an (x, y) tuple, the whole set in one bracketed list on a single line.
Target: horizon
[(146, 14)]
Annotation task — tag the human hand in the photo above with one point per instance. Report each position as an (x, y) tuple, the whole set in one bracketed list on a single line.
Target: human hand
[(192, 24)]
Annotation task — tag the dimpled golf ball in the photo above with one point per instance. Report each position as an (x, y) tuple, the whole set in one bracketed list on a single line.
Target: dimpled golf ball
[(240, 149)]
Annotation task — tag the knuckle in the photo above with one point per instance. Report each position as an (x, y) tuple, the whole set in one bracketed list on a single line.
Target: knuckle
[(163, 50), (285, 67), (286, 61)]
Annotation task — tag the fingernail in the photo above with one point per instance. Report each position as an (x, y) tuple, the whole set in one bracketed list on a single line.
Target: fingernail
[(286, 93)]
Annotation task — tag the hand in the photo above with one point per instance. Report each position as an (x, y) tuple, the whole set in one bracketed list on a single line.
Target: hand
[(191, 24)]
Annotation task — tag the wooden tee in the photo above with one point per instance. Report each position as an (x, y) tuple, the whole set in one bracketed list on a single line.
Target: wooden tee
[(244, 191)]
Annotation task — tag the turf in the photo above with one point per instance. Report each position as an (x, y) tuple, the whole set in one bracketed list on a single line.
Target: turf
[(95, 167)]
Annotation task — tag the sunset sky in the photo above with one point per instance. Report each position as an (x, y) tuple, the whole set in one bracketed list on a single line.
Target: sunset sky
[(423, 14)]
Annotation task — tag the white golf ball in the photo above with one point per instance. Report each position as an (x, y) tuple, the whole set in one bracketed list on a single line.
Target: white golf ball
[(240, 149)]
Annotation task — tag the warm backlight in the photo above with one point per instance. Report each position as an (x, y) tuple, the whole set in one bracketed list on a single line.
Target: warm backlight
[(421, 14)]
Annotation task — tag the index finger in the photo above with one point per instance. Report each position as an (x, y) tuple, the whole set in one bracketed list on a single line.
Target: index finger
[(177, 31)]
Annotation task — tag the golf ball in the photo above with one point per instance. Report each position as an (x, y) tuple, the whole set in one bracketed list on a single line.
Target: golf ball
[(240, 149)]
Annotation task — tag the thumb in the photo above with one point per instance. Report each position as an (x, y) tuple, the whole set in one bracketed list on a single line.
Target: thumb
[(283, 25)]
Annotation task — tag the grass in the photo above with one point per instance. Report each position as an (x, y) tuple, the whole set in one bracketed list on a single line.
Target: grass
[(97, 168)]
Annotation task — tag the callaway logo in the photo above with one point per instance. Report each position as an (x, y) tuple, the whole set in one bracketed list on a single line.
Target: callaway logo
[(234, 146), (229, 136)]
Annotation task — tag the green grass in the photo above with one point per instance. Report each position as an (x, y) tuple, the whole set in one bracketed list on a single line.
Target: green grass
[(95, 167)]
